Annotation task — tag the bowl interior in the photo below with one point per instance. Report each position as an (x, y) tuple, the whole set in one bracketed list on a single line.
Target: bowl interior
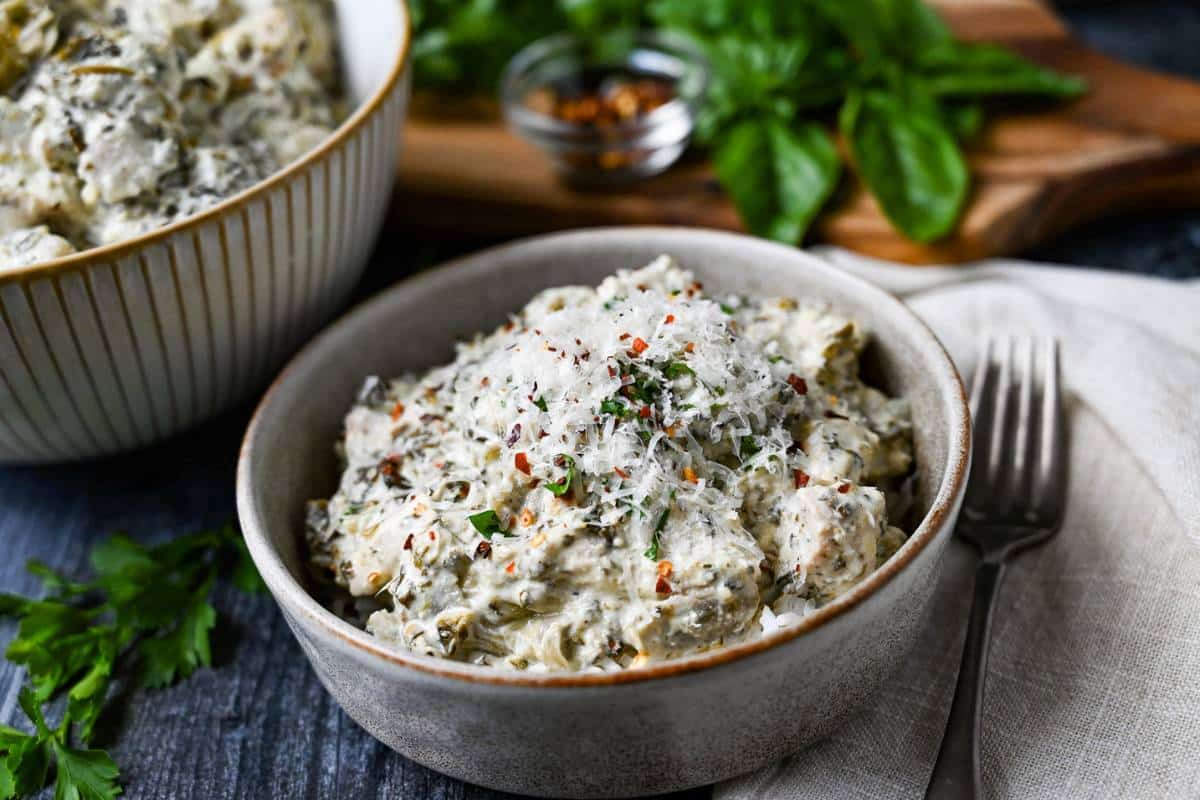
[(369, 31), (288, 455)]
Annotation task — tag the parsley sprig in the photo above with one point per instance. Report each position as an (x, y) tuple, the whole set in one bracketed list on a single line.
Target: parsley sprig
[(144, 617)]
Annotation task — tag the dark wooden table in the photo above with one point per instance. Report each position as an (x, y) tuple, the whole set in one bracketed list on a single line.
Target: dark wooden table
[(259, 726)]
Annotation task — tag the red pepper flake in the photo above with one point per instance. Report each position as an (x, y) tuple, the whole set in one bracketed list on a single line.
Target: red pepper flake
[(512, 565), (484, 550), (845, 487), (408, 542), (664, 568), (661, 586), (612, 373), (621, 472), (797, 383), (397, 411), (639, 346), (485, 381), (432, 536), (800, 478), (670, 318), (690, 347), (689, 475), (644, 412), (623, 337), (508, 326), (522, 462)]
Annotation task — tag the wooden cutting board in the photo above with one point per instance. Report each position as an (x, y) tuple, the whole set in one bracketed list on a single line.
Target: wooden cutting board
[(1133, 142)]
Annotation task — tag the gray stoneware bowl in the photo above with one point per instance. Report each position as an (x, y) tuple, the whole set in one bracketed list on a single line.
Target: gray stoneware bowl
[(653, 729)]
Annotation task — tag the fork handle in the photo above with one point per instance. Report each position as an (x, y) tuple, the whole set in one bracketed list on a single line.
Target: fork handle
[(956, 774)]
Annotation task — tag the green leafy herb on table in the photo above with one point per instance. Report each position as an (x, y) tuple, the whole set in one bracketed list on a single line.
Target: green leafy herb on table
[(145, 616), (904, 93)]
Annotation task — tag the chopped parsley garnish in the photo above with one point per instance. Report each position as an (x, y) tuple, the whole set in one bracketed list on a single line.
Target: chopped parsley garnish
[(616, 408), (541, 403), (559, 488), (143, 621), (651, 552), (749, 446), (728, 309), (488, 524), (677, 369)]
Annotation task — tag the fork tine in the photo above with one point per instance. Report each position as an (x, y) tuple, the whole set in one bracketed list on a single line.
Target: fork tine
[(982, 404), (1022, 440), (1048, 484), (996, 450)]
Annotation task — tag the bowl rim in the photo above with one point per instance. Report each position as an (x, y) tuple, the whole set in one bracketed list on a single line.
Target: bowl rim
[(296, 600), (111, 252)]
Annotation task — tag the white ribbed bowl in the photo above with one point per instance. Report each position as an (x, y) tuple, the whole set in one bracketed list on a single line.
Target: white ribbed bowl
[(123, 345)]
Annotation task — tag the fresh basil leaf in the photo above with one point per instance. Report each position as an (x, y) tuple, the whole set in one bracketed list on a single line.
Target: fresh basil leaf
[(561, 487), (882, 30), (909, 160), (778, 176), (964, 119), (957, 69)]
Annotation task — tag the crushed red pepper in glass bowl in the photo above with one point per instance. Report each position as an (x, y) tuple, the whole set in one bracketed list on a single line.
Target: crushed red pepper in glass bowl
[(607, 115)]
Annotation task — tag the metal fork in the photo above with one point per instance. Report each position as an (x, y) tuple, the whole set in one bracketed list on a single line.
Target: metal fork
[(1014, 500)]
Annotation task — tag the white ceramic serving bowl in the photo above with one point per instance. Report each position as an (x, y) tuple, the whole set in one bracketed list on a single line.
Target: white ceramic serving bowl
[(647, 730), (122, 345)]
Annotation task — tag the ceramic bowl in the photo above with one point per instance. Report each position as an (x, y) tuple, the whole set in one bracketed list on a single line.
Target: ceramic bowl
[(653, 729), (122, 345)]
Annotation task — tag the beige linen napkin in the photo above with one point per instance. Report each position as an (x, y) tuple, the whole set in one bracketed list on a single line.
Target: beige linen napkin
[(1094, 677)]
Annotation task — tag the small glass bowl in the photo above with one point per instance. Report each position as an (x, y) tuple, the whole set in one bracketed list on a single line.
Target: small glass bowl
[(627, 149)]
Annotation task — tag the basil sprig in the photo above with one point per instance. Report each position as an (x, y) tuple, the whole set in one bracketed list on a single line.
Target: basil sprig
[(905, 94)]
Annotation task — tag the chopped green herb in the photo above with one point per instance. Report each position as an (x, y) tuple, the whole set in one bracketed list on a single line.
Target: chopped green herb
[(677, 369), (728, 309), (616, 408), (541, 403), (774, 359), (487, 523), (559, 488), (748, 447), (147, 608), (651, 552)]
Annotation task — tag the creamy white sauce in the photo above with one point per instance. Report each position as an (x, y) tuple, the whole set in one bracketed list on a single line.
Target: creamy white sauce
[(120, 116), (659, 472)]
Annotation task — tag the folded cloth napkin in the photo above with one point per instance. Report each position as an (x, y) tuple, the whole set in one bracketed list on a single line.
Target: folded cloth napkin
[(1093, 687)]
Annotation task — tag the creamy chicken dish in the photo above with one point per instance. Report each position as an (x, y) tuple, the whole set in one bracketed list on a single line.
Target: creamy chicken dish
[(120, 116), (619, 475)]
